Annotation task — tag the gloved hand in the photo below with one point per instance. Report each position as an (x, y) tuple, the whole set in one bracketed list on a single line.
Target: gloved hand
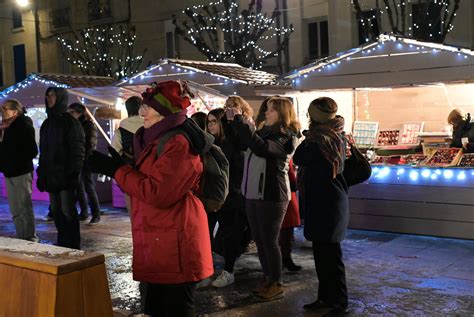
[(104, 164)]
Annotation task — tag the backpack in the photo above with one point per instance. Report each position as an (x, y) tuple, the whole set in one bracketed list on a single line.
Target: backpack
[(214, 186), (127, 146)]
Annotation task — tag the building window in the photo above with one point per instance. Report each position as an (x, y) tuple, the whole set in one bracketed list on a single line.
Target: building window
[(99, 9), (368, 26), (16, 18), (318, 39), (19, 62), (426, 22), (59, 18)]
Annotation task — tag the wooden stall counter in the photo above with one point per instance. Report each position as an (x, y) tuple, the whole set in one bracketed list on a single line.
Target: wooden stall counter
[(45, 280)]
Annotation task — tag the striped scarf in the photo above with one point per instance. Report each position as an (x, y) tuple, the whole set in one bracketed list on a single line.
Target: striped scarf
[(330, 140)]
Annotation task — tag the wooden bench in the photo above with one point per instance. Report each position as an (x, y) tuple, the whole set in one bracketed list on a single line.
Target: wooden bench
[(44, 280)]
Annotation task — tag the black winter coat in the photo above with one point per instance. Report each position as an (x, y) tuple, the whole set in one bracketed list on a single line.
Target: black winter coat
[(90, 135), (61, 148), (464, 130), (270, 150), (326, 206), (235, 156), (18, 148)]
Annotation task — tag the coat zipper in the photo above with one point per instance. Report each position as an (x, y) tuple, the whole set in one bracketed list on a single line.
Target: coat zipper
[(247, 173)]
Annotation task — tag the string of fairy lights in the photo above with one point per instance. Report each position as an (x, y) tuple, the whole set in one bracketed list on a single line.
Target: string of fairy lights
[(106, 41), (376, 50), (230, 21), (403, 4), (32, 78)]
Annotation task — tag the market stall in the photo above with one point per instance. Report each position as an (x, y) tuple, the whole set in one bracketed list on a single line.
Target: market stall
[(30, 92), (226, 78), (396, 95)]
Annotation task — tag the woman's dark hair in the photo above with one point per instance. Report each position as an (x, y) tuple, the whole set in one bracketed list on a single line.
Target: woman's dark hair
[(218, 114), (261, 112), (79, 108), (132, 105), (200, 119)]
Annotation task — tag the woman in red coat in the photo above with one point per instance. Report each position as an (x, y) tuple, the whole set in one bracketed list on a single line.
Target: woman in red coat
[(171, 245)]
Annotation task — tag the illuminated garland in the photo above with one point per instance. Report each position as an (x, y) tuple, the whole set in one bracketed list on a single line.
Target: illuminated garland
[(371, 50), (103, 51), (243, 32), (32, 78)]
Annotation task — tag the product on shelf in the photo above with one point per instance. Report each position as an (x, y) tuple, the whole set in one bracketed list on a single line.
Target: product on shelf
[(386, 160), (410, 133), (467, 160), (365, 133), (445, 157), (388, 137), (412, 159)]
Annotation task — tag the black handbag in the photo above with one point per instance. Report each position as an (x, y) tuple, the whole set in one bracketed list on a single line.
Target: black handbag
[(357, 168)]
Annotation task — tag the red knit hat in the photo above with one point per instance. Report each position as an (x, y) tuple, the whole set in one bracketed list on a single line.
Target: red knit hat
[(168, 97)]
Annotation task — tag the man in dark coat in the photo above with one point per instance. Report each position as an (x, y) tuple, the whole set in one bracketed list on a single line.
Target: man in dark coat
[(60, 163), (87, 184), (17, 151)]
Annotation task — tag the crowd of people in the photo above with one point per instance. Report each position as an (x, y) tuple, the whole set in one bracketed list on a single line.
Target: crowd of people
[(173, 233)]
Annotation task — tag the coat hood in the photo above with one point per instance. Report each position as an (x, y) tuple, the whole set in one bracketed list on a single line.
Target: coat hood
[(61, 101)]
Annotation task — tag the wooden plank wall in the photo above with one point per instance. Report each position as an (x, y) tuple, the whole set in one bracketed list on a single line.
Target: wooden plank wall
[(426, 210)]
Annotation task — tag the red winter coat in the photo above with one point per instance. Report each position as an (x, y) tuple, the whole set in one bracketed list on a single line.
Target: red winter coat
[(171, 243), (292, 216)]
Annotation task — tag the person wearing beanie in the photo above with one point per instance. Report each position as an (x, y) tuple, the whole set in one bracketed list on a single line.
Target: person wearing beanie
[(62, 152), (17, 150), (171, 243), (122, 140), (87, 184), (322, 156)]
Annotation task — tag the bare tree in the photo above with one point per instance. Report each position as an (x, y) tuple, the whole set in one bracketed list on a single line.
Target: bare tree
[(224, 33), (103, 50), (437, 22)]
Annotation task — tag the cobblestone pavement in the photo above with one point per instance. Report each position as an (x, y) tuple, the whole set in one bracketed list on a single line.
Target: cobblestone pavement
[(387, 274)]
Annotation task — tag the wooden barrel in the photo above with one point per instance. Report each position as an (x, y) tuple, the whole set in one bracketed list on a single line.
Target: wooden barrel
[(44, 280)]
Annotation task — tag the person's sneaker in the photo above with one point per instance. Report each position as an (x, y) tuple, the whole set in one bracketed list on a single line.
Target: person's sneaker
[(224, 279), (307, 244), (272, 292), (83, 217), (263, 283), (319, 304), (204, 283), (94, 221), (34, 239), (290, 265), (47, 218)]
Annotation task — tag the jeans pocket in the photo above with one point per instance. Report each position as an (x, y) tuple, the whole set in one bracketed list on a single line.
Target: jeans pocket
[(161, 251)]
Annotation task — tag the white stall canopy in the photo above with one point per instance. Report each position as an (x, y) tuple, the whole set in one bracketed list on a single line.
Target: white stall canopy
[(31, 91), (227, 78), (392, 61)]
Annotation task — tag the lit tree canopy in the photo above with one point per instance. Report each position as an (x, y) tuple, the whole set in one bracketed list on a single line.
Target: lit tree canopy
[(432, 19), (103, 50), (224, 33)]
